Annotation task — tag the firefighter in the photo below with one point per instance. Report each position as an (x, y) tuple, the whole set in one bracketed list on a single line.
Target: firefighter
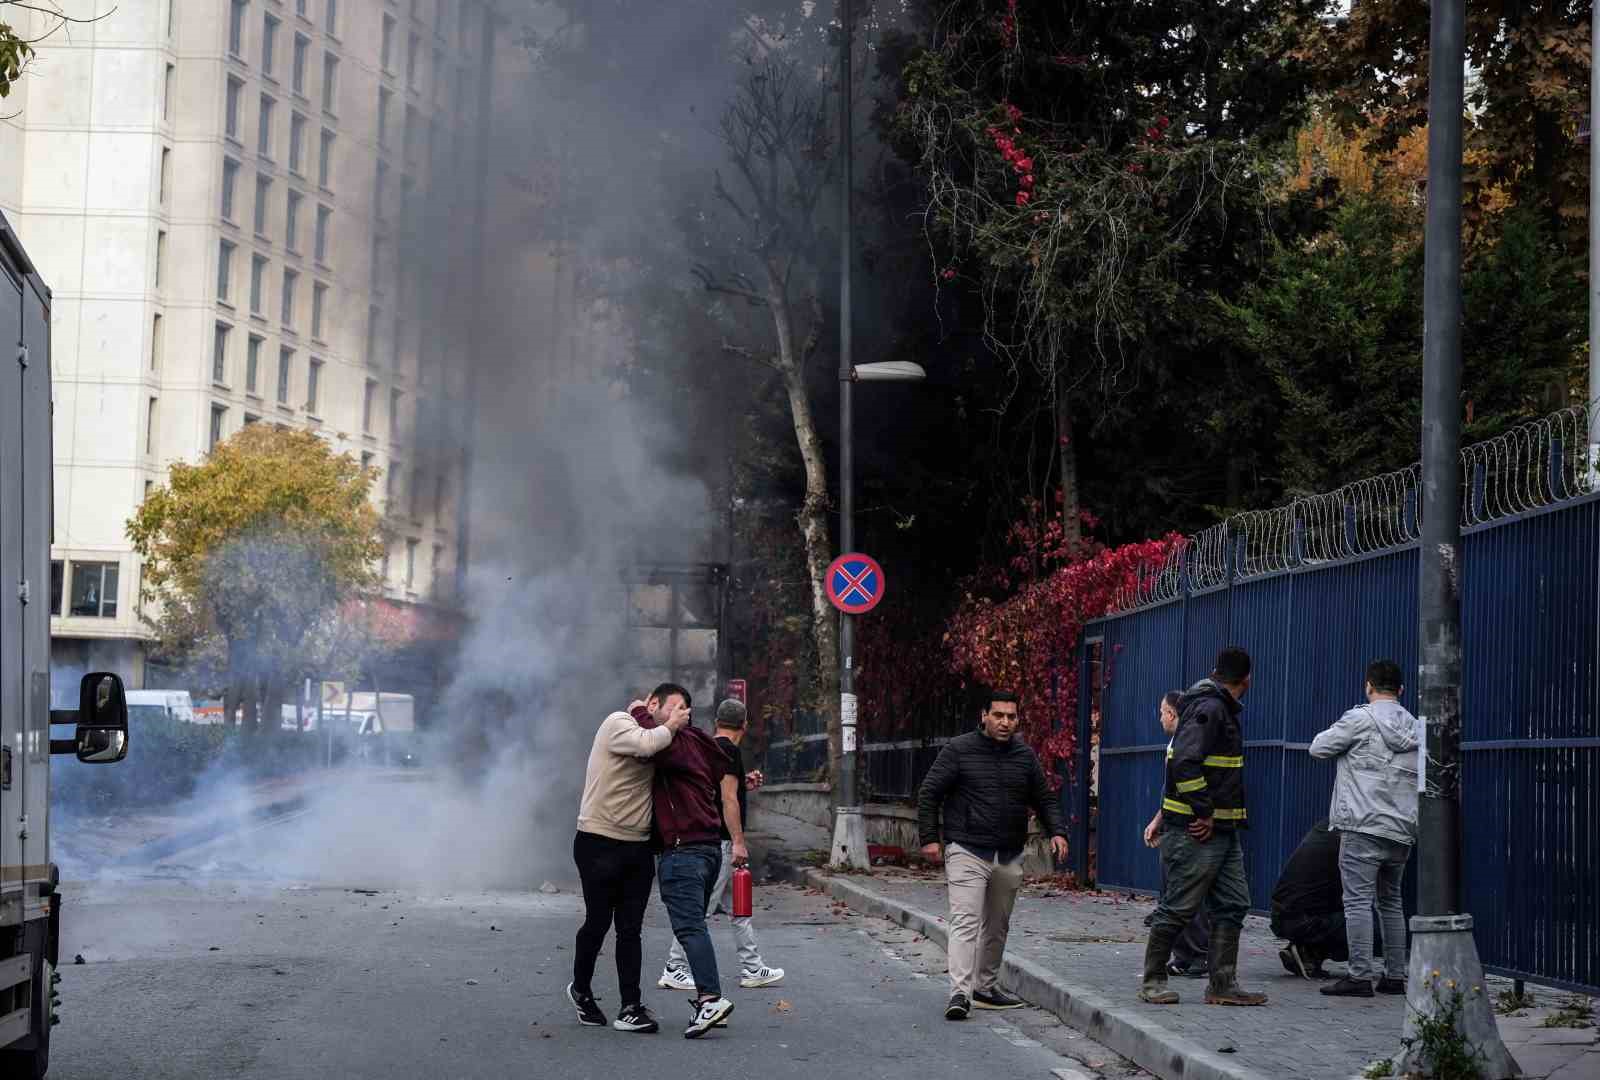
[(1203, 810)]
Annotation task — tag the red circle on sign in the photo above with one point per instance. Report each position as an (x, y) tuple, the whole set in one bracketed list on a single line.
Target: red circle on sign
[(855, 583)]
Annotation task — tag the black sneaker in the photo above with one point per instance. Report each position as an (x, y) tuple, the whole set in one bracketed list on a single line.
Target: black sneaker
[(589, 1014), (636, 1018), (1387, 985), (1195, 969), (958, 1008), (1348, 987), (996, 999)]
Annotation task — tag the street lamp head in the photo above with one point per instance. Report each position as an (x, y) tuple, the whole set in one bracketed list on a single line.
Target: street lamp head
[(889, 371)]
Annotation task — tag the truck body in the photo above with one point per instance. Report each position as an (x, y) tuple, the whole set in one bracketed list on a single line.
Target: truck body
[(29, 904)]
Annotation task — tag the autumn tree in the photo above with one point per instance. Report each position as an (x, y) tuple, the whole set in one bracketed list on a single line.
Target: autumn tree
[(255, 557)]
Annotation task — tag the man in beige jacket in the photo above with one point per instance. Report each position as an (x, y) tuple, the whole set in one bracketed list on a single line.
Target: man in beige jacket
[(613, 851)]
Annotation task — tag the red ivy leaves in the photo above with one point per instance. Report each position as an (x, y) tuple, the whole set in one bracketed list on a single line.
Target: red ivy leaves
[(1028, 641)]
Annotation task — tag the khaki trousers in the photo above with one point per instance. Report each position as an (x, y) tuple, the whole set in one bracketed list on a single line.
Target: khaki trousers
[(982, 895)]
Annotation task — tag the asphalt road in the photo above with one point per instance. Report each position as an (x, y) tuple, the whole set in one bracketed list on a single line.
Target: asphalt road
[(186, 980)]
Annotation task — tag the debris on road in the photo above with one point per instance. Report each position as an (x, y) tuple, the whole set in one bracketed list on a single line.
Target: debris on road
[(472, 982), (79, 959), (548, 889)]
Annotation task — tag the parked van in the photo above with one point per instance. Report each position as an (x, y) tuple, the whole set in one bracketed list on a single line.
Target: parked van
[(171, 704)]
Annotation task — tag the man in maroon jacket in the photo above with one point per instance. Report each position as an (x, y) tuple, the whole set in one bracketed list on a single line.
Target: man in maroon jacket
[(688, 828)]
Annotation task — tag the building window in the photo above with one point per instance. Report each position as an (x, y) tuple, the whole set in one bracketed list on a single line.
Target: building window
[(235, 92), (58, 579), (161, 256), (385, 95), (157, 342), (251, 418), (436, 582), (408, 137), (258, 283), (319, 300), (384, 571), (263, 192), (330, 81), (386, 49), (377, 266), (230, 180), (379, 188), (269, 44), (313, 385), (166, 175), (325, 162), (366, 460), (302, 50), (291, 282), (391, 489), (166, 93), (394, 415), (219, 354), (438, 499), (264, 135), (219, 416), (297, 144), (300, 8), (94, 590), (414, 494), (285, 363), (252, 365), (291, 221), (438, 17), (413, 45), (367, 397), (324, 221), (236, 29), (330, 20), (224, 270), (411, 563), (150, 427)]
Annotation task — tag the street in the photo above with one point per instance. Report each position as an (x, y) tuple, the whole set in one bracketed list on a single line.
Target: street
[(246, 978)]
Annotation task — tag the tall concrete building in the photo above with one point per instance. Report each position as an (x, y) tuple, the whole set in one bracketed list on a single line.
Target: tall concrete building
[(251, 211)]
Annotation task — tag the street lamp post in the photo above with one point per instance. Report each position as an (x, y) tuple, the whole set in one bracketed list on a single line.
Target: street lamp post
[(1444, 956)]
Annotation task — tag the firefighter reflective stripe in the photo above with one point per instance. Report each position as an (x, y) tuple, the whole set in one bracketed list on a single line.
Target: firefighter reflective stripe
[(1231, 815), (1177, 807), (1191, 785), (1217, 761)]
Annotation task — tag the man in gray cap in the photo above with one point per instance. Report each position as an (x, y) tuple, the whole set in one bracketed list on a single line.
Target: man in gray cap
[(732, 723)]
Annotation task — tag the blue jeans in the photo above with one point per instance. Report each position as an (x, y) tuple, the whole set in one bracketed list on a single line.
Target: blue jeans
[(687, 875)]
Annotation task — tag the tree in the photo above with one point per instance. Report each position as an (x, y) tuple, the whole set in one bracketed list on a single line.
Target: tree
[(252, 553), (1093, 170), (1528, 94), (16, 47), (776, 136)]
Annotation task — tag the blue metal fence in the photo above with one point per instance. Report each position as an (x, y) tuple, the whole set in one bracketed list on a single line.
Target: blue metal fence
[(1318, 590)]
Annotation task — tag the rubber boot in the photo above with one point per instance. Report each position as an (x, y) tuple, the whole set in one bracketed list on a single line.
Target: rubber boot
[(1224, 988), (1156, 954)]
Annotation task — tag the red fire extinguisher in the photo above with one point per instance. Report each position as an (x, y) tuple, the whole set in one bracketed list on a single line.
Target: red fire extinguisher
[(743, 893)]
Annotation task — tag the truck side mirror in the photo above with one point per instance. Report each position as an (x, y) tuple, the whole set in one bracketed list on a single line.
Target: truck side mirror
[(102, 736)]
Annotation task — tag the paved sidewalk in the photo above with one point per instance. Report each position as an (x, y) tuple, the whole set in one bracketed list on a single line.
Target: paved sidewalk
[(1080, 953)]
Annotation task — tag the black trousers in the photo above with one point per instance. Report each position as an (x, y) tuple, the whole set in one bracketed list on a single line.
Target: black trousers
[(617, 877), (1321, 934)]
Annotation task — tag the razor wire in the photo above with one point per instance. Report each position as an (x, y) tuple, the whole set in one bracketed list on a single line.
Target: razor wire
[(1531, 466)]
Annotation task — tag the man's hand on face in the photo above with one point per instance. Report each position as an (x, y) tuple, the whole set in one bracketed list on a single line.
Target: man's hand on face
[(1058, 847), (1201, 829), (741, 853), (931, 853), (678, 717)]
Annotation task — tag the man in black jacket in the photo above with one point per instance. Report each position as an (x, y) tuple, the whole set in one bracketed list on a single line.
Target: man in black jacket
[(985, 782), (1203, 811), (1308, 906)]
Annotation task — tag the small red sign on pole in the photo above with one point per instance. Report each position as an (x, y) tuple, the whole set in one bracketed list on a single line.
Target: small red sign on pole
[(736, 690)]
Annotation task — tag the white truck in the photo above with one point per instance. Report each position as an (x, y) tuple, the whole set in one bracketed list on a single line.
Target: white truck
[(30, 907)]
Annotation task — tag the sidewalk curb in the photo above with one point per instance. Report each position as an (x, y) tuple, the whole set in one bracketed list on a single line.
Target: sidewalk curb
[(1129, 1031)]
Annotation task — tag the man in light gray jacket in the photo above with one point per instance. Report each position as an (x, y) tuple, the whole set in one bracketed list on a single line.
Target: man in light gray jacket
[(1374, 809)]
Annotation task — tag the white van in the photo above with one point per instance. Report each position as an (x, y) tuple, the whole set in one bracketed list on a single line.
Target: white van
[(170, 704)]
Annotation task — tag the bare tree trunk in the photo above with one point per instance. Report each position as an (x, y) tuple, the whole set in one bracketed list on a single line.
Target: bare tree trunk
[(1071, 524), (272, 698)]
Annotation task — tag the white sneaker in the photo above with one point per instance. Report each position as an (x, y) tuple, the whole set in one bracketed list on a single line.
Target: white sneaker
[(673, 979), (761, 976), (707, 1015)]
